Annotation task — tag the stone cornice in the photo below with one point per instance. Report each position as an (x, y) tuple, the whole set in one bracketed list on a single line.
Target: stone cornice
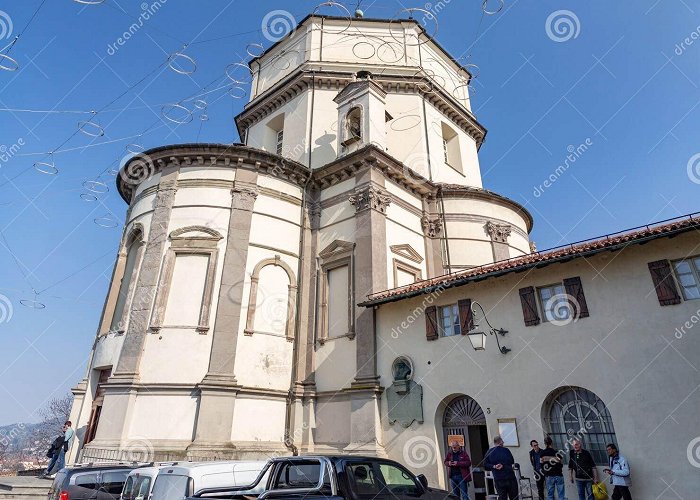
[(406, 80), (145, 164), (456, 191)]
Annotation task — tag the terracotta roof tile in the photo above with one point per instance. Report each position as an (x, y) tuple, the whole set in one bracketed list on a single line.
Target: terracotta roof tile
[(538, 259)]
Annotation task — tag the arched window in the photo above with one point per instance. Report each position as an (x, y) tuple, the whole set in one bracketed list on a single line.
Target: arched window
[(272, 301), (353, 126), (574, 412), (116, 311)]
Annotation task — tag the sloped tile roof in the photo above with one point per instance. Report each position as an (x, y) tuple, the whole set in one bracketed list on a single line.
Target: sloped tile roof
[(586, 248)]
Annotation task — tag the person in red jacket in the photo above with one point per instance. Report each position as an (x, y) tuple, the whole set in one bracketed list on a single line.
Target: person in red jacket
[(458, 462)]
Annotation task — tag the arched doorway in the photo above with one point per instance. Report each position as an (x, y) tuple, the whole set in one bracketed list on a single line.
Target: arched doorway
[(464, 416)]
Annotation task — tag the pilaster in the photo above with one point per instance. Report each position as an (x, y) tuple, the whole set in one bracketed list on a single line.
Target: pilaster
[(371, 202), (147, 284), (432, 229), (218, 389)]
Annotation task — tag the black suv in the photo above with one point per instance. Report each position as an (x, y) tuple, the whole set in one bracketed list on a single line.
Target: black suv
[(90, 481)]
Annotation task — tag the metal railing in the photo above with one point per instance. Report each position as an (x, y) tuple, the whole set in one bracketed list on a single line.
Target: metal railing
[(87, 455)]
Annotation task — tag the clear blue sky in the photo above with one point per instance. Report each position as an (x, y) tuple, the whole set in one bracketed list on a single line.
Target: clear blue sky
[(621, 82)]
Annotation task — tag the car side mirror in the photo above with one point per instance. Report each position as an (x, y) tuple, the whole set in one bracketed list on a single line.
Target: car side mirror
[(423, 481)]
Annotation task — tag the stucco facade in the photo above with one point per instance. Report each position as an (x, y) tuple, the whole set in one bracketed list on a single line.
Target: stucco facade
[(235, 325)]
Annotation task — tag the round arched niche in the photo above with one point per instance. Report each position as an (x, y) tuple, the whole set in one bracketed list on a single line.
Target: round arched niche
[(402, 369)]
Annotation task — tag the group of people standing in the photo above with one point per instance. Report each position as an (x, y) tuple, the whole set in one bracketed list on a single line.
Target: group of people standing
[(548, 467), (58, 449)]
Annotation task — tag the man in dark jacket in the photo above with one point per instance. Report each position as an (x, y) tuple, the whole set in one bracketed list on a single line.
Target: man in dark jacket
[(582, 470), (535, 453), (57, 447), (552, 468), (500, 461), (458, 462)]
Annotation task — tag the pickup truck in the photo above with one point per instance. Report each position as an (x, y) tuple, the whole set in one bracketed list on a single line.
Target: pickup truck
[(341, 477)]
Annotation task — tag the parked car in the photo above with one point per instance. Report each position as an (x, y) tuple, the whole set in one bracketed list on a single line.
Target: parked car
[(139, 483), (341, 477), (184, 479), (102, 481)]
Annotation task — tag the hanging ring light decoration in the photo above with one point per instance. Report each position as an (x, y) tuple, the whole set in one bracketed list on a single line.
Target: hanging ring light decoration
[(239, 93), (89, 197), (489, 12), (96, 187), (179, 120), (345, 14), (425, 15), (254, 49), (478, 338), (134, 148), (200, 104), (7, 63), (244, 79), (46, 167), (177, 62), (33, 303), (107, 221), (90, 128), (89, 2)]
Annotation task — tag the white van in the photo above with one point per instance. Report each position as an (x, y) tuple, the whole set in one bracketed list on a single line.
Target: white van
[(186, 479), (139, 482)]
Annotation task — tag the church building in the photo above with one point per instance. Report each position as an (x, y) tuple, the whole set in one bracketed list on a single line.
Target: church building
[(341, 282)]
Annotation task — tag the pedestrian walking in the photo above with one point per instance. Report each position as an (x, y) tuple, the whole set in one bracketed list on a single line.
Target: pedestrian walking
[(552, 469), (535, 453), (458, 463), (55, 452), (619, 472), (499, 460), (582, 471)]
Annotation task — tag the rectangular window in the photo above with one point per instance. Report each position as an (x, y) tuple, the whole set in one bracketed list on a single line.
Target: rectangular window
[(445, 151), (554, 303), (688, 274), (186, 290), (338, 306), (280, 140), (449, 320)]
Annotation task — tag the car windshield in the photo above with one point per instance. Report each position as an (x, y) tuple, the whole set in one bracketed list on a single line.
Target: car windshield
[(170, 487)]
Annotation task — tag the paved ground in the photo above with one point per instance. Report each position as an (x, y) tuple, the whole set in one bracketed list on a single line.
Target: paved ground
[(23, 487)]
